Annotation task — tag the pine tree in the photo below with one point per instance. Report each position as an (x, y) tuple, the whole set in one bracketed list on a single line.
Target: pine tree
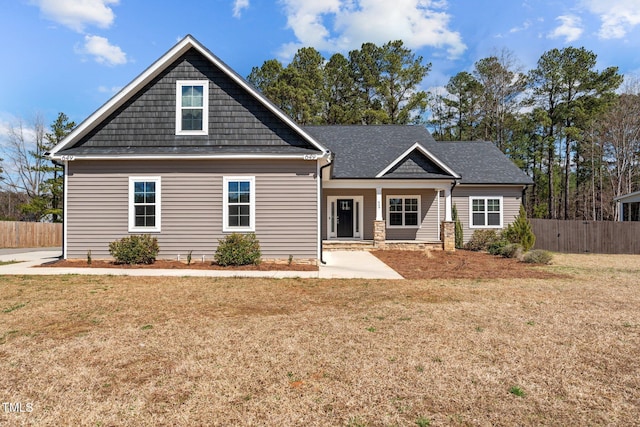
[(459, 237)]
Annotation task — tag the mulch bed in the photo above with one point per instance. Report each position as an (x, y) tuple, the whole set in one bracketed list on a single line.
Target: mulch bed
[(461, 264), (174, 265)]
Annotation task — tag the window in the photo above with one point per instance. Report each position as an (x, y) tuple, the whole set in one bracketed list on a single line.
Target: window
[(403, 211), (238, 203), (486, 212), (144, 204), (192, 111)]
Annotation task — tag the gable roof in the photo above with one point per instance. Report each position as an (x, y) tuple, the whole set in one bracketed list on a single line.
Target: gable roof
[(365, 152), (417, 162), (197, 147)]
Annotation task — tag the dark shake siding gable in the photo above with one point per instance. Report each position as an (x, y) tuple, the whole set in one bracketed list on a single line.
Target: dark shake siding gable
[(191, 205), (146, 123)]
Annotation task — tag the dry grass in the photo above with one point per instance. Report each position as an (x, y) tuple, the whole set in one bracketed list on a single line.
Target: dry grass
[(199, 351)]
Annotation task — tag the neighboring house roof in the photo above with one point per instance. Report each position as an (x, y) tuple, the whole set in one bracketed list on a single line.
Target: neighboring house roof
[(398, 151), (629, 197), (139, 121)]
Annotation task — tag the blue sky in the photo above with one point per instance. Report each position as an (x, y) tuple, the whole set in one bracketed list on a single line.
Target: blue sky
[(71, 56)]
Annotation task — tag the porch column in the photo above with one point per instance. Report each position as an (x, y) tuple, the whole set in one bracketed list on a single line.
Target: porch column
[(379, 226), (447, 205)]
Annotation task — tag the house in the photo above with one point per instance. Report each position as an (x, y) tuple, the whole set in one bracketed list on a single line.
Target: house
[(628, 206), (189, 152)]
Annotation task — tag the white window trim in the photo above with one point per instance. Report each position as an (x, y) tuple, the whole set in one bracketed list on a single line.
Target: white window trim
[(403, 196), (331, 217), (205, 107), (485, 198), (225, 204), (132, 210)]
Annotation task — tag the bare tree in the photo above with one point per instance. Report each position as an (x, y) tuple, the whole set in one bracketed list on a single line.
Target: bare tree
[(620, 138), (23, 157)]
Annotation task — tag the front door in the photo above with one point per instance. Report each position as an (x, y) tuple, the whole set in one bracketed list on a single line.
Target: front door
[(345, 217)]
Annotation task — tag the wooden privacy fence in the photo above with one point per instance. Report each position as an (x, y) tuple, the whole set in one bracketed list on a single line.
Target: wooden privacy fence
[(15, 234), (602, 237)]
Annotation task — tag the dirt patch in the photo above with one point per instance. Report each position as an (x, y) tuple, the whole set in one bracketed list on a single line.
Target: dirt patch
[(460, 264), (176, 265)]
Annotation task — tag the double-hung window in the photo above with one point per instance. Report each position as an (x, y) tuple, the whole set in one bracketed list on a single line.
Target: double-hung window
[(144, 204), (486, 212), (403, 211), (238, 207), (192, 106)]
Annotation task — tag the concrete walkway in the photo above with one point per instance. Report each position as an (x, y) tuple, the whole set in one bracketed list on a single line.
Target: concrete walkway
[(340, 265)]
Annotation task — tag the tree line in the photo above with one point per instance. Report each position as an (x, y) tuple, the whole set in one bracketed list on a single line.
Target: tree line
[(568, 125), (574, 129)]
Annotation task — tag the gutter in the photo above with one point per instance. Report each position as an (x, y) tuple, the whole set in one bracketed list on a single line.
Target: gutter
[(64, 200), (329, 161)]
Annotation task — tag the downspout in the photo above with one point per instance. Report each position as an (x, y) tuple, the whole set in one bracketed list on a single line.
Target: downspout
[(329, 161), (64, 204), (455, 182)]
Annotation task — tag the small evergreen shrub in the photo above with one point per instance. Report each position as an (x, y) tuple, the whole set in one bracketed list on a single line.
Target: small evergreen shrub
[(482, 239), (520, 231), (238, 249), (136, 249), (459, 236), (538, 256), (496, 248)]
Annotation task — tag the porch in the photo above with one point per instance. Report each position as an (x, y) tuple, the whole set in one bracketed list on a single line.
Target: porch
[(370, 245)]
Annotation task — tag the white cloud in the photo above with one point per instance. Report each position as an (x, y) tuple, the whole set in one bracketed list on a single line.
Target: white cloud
[(525, 25), (102, 51), (340, 25), (78, 14), (570, 28), (238, 6), (618, 17)]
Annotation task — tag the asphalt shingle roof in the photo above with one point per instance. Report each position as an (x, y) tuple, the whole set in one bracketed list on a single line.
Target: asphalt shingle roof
[(365, 151)]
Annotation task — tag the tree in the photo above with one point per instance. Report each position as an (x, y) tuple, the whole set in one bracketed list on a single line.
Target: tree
[(400, 74), (374, 85), (341, 96), (463, 102), (47, 200), (23, 150), (571, 93), (502, 85), (618, 138)]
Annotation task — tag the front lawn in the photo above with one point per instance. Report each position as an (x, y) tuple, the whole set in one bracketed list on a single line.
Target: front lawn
[(106, 350)]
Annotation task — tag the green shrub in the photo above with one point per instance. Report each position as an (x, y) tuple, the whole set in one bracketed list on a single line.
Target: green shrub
[(238, 249), (512, 250), (496, 248), (459, 236), (482, 239), (136, 249), (520, 231), (538, 256)]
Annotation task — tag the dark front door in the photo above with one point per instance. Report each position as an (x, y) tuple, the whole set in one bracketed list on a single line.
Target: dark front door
[(345, 217)]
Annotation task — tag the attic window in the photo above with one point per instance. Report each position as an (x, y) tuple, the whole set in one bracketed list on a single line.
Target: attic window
[(192, 107)]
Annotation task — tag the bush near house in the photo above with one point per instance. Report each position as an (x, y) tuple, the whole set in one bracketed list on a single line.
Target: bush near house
[(238, 249), (481, 240), (136, 249)]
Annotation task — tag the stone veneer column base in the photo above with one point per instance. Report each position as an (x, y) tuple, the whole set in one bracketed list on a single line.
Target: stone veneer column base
[(379, 234), (448, 235)]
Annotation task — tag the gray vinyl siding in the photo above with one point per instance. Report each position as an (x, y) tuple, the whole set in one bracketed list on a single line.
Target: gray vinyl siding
[(147, 121), (511, 199), (428, 230), (191, 205)]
